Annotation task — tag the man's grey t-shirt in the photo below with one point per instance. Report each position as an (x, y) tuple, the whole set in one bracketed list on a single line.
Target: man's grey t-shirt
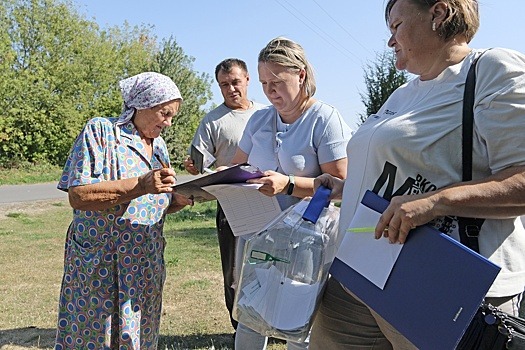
[(221, 129)]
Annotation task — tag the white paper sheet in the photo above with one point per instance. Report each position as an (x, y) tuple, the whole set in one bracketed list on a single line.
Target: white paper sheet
[(246, 209), (373, 259), (283, 303)]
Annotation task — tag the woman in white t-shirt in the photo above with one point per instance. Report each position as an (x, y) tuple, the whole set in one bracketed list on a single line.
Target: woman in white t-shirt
[(294, 140), (410, 153)]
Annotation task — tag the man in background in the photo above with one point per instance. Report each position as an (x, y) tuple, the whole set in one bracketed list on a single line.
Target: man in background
[(218, 134)]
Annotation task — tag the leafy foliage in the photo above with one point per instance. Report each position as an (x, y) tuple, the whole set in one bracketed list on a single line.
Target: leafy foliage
[(195, 89), (381, 79), (57, 70)]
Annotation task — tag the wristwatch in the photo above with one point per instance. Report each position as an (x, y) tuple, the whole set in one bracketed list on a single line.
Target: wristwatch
[(291, 184)]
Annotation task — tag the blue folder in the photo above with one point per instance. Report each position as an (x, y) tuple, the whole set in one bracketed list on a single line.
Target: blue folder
[(434, 289)]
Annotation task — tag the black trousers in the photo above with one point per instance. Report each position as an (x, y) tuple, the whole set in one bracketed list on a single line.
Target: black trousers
[(227, 246)]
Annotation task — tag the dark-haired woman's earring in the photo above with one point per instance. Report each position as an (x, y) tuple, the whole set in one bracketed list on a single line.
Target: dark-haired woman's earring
[(433, 26)]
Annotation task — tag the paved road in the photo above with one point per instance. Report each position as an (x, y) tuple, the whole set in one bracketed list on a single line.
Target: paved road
[(26, 193)]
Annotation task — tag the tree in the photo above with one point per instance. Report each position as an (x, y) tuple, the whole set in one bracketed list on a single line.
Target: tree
[(58, 69), (195, 90), (61, 71), (381, 79)]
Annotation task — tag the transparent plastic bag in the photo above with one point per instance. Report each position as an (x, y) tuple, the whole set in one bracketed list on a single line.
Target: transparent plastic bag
[(285, 268)]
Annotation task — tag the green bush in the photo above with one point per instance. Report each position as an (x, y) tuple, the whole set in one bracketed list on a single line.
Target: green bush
[(57, 70)]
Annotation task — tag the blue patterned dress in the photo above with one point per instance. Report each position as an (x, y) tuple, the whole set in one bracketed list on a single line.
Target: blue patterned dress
[(114, 272)]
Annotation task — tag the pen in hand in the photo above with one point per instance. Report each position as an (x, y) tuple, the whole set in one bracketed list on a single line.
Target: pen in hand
[(366, 229), (164, 165)]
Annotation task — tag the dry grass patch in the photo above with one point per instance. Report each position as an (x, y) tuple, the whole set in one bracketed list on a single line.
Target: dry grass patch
[(31, 258)]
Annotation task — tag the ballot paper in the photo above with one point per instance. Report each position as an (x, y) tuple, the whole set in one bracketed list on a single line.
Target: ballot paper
[(246, 209), (283, 303), (372, 258)]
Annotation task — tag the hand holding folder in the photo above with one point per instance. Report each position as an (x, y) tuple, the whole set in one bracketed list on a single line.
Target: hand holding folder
[(201, 158), (434, 289), (235, 174)]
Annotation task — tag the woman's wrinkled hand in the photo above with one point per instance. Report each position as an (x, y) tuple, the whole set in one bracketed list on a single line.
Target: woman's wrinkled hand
[(179, 202), (158, 181), (403, 214), (272, 183)]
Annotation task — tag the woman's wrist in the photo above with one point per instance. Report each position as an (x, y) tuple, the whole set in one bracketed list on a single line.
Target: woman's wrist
[(291, 185)]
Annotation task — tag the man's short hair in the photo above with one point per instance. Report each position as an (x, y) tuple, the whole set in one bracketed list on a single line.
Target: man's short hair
[(227, 65)]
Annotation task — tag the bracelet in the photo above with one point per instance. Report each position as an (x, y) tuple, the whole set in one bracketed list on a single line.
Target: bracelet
[(291, 184)]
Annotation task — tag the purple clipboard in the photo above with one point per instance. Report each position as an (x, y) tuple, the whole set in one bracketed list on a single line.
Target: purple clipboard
[(235, 174), (434, 289)]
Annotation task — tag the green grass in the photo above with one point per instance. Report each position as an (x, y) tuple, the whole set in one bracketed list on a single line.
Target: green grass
[(31, 261), (28, 173)]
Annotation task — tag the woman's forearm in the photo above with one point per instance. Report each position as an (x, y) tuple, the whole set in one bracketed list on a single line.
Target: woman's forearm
[(304, 187), (106, 194), (501, 195)]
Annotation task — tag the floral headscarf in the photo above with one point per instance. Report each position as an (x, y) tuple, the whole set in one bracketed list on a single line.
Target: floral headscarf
[(145, 90)]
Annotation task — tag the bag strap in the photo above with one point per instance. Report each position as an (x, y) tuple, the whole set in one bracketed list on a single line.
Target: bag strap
[(469, 228)]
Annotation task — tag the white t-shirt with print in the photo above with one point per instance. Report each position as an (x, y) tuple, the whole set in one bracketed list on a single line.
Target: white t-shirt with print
[(413, 145)]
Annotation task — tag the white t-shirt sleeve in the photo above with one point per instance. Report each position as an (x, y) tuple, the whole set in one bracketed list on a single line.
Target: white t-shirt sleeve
[(499, 117)]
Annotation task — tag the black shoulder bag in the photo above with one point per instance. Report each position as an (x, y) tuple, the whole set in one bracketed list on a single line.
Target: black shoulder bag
[(491, 328)]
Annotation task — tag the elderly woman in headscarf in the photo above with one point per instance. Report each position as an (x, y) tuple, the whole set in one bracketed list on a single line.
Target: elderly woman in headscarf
[(119, 184)]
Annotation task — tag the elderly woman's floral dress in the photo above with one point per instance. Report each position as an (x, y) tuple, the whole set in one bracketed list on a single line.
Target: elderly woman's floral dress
[(111, 291)]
